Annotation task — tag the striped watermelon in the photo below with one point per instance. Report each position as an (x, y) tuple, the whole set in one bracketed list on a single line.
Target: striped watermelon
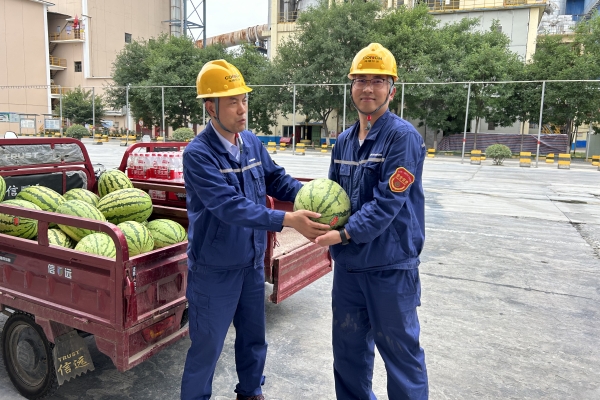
[(97, 243), (59, 238), (26, 228), (327, 198), (2, 188), (78, 208), (138, 237), (166, 232), (112, 180), (42, 196), (126, 205), (83, 195)]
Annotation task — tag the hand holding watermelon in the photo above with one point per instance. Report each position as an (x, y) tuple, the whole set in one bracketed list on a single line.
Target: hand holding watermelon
[(303, 222)]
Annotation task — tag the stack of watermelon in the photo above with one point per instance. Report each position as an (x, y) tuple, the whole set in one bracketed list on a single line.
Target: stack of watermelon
[(119, 202)]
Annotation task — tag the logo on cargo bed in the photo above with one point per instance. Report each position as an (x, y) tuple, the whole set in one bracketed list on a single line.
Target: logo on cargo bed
[(60, 271), (7, 257)]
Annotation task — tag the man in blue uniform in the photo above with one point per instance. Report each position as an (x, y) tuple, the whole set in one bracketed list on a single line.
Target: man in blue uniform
[(376, 288), (228, 174)]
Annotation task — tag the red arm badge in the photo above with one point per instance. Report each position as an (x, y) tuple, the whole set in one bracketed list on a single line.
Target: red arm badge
[(401, 180)]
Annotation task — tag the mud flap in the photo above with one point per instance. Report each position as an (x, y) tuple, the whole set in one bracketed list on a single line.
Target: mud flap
[(71, 357)]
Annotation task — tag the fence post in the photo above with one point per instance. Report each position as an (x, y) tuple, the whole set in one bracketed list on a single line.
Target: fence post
[(294, 123), (162, 93), (94, 113), (462, 159), (127, 114), (402, 102), (60, 106), (537, 154), (344, 120)]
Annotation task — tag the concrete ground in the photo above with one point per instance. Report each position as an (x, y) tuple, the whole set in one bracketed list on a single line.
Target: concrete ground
[(510, 306)]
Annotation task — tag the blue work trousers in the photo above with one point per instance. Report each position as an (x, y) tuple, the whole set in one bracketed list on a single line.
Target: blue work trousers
[(215, 299), (377, 308)]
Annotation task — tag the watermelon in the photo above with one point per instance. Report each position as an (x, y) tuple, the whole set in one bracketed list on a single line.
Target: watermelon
[(138, 237), (97, 243), (2, 188), (78, 208), (83, 195), (166, 232), (13, 225), (112, 180), (327, 198), (126, 205), (42, 196), (59, 238)]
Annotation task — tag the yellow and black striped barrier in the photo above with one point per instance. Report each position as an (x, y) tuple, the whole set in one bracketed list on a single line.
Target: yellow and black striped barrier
[(476, 157), (323, 148), (525, 159), (564, 161), (300, 149), (282, 146), (272, 147), (431, 153), (550, 158), (596, 161)]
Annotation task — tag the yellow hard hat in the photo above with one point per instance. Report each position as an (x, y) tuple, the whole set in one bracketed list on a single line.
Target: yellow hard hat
[(219, 78), (374, 60)]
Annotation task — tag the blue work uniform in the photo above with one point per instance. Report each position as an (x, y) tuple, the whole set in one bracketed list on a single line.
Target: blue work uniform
[(227, 236), (376, 286)]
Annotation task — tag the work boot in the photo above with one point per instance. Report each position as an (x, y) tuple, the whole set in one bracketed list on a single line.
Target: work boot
[(256, 397)]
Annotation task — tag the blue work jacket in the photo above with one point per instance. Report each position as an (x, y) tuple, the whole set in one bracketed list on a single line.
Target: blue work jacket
[(226, 201), (383, 180)]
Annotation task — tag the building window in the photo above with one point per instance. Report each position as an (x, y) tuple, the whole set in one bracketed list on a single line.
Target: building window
[(491, 126), (128, 38), (77, 66)]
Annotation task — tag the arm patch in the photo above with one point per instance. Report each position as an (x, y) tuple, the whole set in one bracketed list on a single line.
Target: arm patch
[(401, 180)]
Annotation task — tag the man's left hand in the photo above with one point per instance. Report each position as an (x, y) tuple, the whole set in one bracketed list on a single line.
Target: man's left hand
[(328, 239)]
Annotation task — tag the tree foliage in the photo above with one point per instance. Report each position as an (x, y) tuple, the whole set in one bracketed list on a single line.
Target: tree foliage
[(321, 52), (77, 106)]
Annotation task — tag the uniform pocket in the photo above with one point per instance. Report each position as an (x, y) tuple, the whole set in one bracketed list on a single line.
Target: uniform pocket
[(199, 310), (258, 178)]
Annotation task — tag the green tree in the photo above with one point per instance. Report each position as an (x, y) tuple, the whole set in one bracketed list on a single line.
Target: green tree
[(486, 58), (328, 38), (165, 61), (77, 106), (262, 102), (569, 104)]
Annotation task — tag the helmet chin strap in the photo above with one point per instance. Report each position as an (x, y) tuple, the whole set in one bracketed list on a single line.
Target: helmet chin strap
[(216, 117), (368, 127)]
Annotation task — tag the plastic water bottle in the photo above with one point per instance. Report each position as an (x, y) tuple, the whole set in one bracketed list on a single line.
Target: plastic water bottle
[(179, 165), (131, 165), (140, 170), (147, 166)]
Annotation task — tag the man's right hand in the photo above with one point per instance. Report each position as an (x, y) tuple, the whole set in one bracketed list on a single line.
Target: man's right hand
[(301, 221)]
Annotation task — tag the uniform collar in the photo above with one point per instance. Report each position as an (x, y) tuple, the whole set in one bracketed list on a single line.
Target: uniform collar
[(375, 128), (229, 147)]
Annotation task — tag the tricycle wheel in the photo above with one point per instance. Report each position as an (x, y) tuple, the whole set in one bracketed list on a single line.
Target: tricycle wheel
[(28, 357)]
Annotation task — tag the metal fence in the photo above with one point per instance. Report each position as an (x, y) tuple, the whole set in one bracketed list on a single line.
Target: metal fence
[(157, 95)]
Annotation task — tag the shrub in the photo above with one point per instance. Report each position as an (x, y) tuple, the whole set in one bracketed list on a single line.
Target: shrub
[(183, 134), (77, 131), (498, 152)]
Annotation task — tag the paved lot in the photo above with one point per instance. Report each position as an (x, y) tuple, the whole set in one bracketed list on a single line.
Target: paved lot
[(511, 296)]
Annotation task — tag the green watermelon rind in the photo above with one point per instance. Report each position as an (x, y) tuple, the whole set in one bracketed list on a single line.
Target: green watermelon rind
[(111, 181), (138, 237), (45, 198), (126, 205), (98, 243), (334, 206), (166, 232), (78, 208), (13, 225), (82, 195)]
